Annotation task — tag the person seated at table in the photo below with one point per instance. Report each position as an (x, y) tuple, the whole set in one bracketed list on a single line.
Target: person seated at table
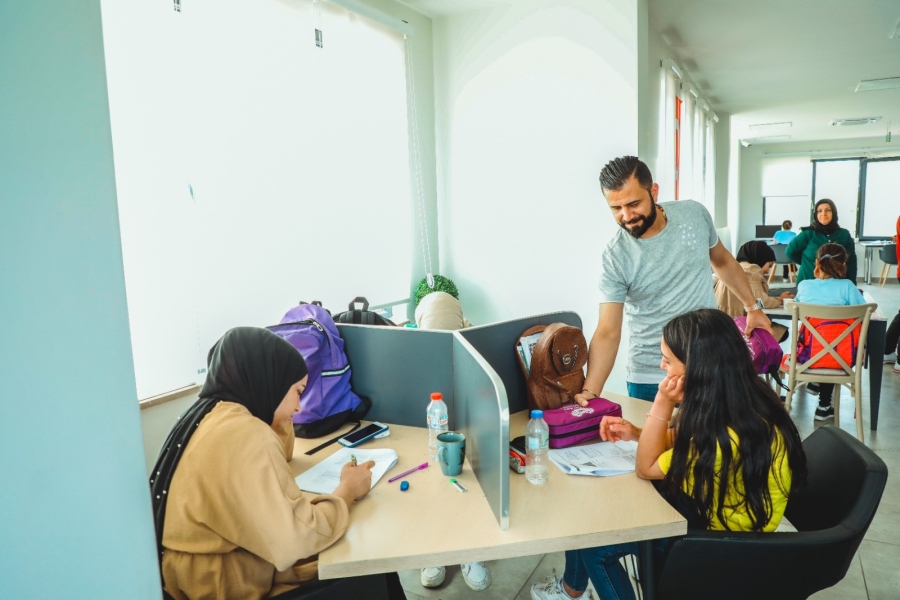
[(785, 236), (829, 288), (230, 519), (756, 258), (727, 461)]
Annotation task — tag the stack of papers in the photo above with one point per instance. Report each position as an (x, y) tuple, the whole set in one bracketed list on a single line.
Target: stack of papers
[(525, 346), (599, 460), (325, 476)]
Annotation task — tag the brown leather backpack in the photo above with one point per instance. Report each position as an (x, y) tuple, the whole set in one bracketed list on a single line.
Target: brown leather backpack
[(557, 365)]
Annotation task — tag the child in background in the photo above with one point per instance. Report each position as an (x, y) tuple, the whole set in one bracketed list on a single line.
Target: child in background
[(785, 236), (830, 289)]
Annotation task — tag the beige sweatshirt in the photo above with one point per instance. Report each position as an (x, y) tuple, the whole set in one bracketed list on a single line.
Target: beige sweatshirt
[(237, 525)]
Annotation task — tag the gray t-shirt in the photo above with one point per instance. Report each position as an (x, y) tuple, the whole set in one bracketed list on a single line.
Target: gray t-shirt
[(658, 279)]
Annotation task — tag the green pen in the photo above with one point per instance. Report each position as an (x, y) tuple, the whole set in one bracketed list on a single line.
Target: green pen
[(458, 485)]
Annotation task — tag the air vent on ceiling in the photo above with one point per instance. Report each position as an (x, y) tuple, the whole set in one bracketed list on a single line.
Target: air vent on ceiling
[(848, 122), (870, 85)]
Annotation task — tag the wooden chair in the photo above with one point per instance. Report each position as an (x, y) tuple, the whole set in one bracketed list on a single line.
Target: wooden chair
[(849, 375)]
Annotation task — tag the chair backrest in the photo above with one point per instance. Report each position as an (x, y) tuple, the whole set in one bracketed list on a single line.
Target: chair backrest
[(888, 254), (858, 316), (781, 257), (832, 513)]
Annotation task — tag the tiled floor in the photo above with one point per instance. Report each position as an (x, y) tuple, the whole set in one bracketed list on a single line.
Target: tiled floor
[(875, 571)]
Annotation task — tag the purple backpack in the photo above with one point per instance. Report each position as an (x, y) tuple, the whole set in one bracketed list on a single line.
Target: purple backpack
[(328, 401), (764, 349)]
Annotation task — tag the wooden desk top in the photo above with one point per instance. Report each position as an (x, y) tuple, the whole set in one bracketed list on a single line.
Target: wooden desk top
[(434, 524)]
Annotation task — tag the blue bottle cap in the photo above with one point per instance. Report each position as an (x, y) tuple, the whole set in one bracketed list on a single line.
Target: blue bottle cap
[(537, 414), (404, 485)]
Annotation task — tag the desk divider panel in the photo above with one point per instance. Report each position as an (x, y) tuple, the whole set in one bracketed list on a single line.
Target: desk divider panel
[(476, 370), (398, 369), (496, 343), (482, 415)]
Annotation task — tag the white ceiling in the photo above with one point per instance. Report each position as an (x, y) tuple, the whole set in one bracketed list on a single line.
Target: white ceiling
[(767, 61)]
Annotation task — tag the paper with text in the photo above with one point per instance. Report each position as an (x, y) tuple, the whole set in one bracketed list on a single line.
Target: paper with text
[(325, 476), (599, 460)]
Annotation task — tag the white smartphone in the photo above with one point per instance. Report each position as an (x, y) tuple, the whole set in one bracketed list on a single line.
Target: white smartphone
[(361, 435)]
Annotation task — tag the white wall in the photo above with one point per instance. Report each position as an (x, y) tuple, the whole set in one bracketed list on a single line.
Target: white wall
[(532, 100), (75, 517)]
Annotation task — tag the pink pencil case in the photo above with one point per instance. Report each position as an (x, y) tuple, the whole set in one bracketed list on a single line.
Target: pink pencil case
[(572, 424)]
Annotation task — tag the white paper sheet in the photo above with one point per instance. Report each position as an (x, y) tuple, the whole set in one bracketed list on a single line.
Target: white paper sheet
[(599, 460), (325, 476)]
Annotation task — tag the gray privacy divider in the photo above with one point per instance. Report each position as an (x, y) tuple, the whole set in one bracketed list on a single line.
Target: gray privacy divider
[(496, 344), (483, 415), (398, 369)]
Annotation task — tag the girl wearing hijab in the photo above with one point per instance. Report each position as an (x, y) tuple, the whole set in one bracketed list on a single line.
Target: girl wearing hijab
[(757, 258), (824, 229), (230, 520)]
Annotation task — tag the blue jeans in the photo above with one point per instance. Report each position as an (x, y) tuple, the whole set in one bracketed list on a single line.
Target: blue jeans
[(643, 391), (601, 566)]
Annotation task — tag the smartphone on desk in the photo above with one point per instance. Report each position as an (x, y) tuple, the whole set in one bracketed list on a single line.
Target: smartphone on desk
[(361, 435)]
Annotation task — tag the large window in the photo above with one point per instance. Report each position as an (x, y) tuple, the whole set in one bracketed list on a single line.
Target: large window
[(838, 180), (881, 198), (254, 168)]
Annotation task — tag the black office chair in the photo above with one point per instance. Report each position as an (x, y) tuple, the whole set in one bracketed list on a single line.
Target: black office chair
[(385, 586), (888, 256), (831, 514)]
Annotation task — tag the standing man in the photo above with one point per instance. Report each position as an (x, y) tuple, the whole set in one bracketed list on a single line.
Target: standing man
[(656, 268)]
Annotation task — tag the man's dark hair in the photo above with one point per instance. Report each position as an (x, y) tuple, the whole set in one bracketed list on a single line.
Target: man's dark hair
[(620, 170)]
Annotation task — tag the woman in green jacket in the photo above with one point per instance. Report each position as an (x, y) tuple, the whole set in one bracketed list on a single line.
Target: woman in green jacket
[(824, 229)]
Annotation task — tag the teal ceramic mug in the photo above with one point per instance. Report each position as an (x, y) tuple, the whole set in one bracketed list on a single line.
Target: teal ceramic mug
[(451, 452)]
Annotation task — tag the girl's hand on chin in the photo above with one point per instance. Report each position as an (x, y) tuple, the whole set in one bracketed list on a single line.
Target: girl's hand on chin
[(671, 390)]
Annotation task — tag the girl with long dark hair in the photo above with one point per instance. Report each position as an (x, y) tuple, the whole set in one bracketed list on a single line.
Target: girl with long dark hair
[(727, 461)]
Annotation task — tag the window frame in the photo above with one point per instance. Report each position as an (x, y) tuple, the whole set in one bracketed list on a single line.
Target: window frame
[(861, 211)]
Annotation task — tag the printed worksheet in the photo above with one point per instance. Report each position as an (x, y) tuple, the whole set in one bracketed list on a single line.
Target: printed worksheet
[(599, 460), (325, 476)]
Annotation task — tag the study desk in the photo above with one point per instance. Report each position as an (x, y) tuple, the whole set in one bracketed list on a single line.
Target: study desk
[(434, 524), (874, 353), (870, 250)]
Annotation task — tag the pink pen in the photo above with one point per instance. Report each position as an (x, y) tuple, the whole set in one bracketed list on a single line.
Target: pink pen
[(405, 473)]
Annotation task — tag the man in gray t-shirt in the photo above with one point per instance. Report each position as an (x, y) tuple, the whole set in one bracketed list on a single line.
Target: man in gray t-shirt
[(657, 266)]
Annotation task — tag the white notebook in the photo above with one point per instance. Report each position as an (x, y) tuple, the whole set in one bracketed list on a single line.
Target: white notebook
[(325, 476)]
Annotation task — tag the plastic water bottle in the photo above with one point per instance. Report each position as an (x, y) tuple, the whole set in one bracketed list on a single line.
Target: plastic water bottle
[(537, 445), (437, 422)]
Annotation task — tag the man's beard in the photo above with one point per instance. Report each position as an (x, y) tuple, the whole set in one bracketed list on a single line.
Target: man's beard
[(640, 225)]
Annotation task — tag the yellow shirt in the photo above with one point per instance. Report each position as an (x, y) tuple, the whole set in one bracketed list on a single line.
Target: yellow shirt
[(237, 525), (736, 513)]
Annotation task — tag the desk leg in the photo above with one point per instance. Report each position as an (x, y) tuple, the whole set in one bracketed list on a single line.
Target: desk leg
[(868, 274), (875, 357), (648, 582)]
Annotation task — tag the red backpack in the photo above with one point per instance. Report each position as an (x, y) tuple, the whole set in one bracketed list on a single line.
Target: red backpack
[(830, 329)]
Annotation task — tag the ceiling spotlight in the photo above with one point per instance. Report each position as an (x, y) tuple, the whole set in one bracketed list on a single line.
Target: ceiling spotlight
[(870, 85), (848, 122)]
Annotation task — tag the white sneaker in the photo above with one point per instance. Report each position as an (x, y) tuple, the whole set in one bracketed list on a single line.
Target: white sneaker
[(897, 367), (432, 576), (889, 358), (551, 589), (477, 575)]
